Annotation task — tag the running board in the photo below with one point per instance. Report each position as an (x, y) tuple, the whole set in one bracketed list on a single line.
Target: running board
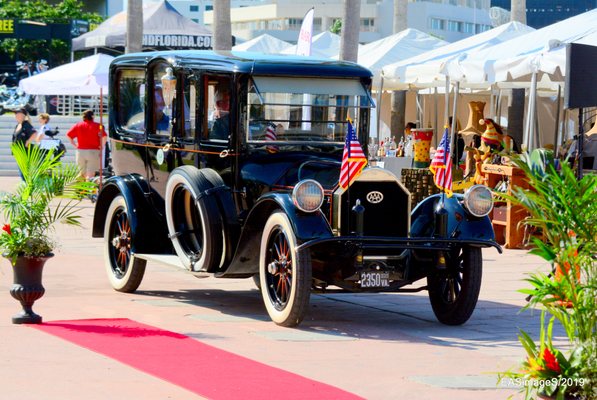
[(171, 261)]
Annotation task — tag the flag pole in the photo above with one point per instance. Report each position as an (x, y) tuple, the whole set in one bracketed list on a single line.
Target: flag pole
[(101, 113)]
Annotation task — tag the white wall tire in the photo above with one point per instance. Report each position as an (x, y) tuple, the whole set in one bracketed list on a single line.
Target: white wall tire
[(284, 272), (194, 220), (124, 271)]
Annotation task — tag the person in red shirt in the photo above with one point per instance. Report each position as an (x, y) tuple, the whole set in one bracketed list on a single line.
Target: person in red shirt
[(88, 138)]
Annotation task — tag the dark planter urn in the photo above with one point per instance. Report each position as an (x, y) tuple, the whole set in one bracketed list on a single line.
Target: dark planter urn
[(27, 287)]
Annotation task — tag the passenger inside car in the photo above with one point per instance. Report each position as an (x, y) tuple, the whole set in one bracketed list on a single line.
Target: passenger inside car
[(220, 128)]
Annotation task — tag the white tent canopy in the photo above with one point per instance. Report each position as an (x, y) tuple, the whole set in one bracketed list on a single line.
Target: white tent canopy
[(542, 49), (324, 45), (84, 77), (265, 43), (399, 46), (425, 70)]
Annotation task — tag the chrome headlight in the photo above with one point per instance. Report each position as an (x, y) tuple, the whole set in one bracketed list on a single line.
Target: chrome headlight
[(478, 200), (307, 195)]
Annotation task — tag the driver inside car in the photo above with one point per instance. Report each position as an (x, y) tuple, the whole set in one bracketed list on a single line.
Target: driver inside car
[(221, 115)]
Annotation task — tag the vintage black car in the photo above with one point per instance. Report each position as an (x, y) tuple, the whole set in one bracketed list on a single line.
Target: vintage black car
[(228, 163)]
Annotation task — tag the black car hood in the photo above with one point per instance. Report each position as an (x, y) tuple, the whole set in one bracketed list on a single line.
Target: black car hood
[(285, 169)]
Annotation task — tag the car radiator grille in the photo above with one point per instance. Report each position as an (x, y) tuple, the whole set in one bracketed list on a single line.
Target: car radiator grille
[(389, 217)]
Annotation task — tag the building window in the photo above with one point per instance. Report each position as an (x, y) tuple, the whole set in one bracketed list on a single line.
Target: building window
[(367, 24), (294, 23), (453, 26), (482, 28), (437, 24), (469, 27), (209, 8), (193, 8)]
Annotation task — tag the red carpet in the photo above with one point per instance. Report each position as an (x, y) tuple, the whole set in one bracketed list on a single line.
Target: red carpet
[(195, 366)]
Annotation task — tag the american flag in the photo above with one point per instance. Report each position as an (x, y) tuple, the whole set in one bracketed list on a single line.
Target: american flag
[(441, 166), (353, 158), (270, 136)]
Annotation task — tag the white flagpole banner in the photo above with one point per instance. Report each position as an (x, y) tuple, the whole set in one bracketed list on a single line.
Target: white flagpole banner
[(303, 48), (303, 45)]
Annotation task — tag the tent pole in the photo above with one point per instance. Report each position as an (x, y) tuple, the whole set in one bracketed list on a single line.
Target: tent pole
[(557, 130), (436, 118), (447, 101), (378, 111), (580, 145), (101, 113), (491, 102), (453, 127), (532, 109)]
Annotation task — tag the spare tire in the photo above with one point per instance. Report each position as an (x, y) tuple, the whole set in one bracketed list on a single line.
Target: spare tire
[(194, 221)]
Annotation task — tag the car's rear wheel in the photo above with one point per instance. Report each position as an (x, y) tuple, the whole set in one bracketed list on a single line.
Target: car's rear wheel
[(284, 272), (124, 271), (454, 291), (194, 220)]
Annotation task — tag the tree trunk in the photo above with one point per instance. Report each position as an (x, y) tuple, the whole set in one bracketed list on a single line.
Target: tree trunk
[(222, 29), (518, 11), (349, 43), (400, 15), (398, 110), (398, 119), (134, 26)]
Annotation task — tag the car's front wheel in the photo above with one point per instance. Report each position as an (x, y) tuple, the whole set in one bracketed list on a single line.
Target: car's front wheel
[(124, 271), (454, 291), (284, 272)]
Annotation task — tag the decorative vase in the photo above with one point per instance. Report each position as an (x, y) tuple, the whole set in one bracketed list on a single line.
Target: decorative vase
[(27, 287), (422, 138)]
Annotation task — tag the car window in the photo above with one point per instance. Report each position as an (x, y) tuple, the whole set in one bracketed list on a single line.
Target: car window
[(190, 107), (300, 110), (162, 112), (218, 105), (130, 93)]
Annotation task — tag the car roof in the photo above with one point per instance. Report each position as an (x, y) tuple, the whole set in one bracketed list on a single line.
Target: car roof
[(248, 62)]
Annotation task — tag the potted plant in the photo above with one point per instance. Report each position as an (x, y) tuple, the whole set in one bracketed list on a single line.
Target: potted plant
[(564, 211), (30, 213)]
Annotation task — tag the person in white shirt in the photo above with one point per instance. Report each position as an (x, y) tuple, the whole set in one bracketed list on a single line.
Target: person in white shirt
[(44, 120)]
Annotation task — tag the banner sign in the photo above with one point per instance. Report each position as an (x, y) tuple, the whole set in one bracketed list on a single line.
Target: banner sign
[(303, 45), (184, 41), (7, 26), (24, 29)]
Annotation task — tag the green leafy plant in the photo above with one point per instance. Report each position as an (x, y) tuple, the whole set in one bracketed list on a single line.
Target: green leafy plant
[(49, 193), (563, 209)]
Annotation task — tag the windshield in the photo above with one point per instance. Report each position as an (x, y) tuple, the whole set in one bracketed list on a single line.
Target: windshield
[(299, 110)]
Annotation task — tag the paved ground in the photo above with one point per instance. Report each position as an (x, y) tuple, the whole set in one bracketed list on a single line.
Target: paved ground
[(379, 346)]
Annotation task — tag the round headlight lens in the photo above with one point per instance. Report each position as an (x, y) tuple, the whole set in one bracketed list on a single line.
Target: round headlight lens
[(478, 200), (307, 195)]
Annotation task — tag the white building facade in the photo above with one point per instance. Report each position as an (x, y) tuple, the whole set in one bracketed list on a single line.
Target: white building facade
[(450, 20)]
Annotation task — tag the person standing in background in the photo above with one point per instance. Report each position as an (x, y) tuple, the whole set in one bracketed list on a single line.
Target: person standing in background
[(24, 132), (43, 119), (88, 138)]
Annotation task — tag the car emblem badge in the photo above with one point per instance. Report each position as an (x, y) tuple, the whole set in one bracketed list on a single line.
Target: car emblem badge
[(374, 197)]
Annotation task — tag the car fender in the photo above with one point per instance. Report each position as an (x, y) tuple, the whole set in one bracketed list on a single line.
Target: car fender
[(306, 226), (146, 221), (462, 226)]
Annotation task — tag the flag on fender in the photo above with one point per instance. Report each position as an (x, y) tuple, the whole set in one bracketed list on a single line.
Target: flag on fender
[(353, 158), (441, 165)]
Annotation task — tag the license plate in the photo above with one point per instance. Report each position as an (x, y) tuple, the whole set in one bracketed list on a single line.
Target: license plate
[(375, 279)]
